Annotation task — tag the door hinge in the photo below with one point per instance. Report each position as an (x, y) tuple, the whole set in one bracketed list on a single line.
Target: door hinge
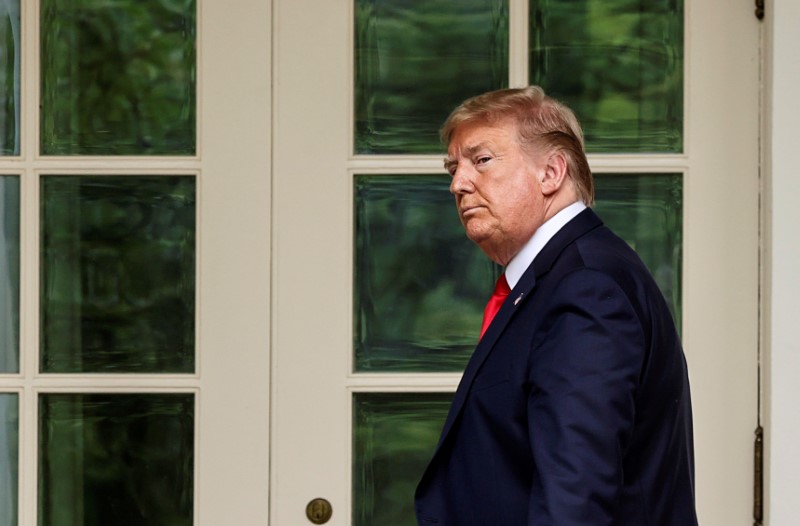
[(758, 478), (760, 9)]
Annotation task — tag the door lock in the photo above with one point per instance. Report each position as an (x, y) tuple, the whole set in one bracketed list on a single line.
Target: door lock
[(319, 511)]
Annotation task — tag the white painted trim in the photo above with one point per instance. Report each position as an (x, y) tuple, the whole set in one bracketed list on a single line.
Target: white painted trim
[(781, 263)]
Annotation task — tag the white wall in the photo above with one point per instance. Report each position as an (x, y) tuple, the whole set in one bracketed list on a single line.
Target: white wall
[(782, 262)]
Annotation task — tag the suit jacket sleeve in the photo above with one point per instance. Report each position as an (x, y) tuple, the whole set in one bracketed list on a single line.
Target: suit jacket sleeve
[(584, 370)]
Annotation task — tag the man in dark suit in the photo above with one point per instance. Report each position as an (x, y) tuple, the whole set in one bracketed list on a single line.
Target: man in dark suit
[(574, 408)]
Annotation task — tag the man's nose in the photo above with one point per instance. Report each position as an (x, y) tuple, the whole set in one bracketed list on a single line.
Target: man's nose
[(462, 181)]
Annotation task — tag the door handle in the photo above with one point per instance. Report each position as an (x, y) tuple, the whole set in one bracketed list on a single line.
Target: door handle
[(319, 511)]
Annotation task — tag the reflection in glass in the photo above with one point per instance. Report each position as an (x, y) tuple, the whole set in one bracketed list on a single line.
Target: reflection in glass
[(9, 458), (9, 274), (9, 77), (618, 64), (646, 210), (394, 438), (420, 284), (118, 274), (415, 60), (121, 459), (118, 78)]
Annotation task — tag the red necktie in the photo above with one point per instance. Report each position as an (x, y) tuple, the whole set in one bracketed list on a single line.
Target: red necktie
[(501, 291)]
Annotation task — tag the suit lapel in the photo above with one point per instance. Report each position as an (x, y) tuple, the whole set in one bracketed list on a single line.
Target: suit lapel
[(484, 347), (585, 221)]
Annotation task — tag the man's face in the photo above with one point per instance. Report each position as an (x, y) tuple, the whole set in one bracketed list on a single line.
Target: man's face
[(496, 186)]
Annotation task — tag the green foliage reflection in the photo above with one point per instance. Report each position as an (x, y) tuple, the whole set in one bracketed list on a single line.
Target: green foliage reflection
[(118, 77), (415, 60), (394, 439), (9, 274), (9, 455), (9, 77), (646, 210), (121, 459), (618, 64), (118, 274), (420, 284)]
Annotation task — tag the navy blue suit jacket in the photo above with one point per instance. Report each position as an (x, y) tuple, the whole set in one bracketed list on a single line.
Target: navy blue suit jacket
[(574, 408)]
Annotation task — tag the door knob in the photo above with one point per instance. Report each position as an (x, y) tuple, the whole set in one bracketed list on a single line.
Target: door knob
[(319, 511)]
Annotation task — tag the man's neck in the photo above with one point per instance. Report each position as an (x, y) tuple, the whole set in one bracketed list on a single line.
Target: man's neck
[(523, 259)]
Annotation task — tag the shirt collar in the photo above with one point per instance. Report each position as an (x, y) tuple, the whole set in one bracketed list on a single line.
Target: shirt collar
[(520, 263)]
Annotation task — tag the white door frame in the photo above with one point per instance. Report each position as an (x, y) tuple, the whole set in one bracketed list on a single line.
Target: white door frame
[(234, 249)]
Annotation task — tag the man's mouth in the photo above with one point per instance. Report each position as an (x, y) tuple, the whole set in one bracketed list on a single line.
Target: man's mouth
[(470, 210)]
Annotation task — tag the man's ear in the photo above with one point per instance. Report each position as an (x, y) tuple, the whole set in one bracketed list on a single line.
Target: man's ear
[(555, 173)]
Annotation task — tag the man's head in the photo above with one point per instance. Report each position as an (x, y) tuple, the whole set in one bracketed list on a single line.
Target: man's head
[(542, 123), (516, 157)]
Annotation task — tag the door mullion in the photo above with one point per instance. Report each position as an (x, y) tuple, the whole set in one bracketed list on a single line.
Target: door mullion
[(518, 43)]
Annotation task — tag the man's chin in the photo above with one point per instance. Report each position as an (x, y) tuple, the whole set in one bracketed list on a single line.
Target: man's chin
[(480, 238), (477, 229), (488, 244), (476, 236)]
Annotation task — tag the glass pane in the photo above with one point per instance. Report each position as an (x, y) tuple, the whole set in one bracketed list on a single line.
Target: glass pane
[(9, 458), (415, 60), (9, 77), (394, 439), (118, 77), (118, 274), (646, 210), (420, 284), (121, 459), (9, 274), (618, 64)]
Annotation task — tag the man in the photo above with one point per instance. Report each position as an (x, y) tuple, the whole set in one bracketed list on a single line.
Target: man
[(574, 408)]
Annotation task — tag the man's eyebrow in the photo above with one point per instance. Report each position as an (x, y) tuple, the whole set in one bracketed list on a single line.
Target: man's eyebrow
[(467, 151)]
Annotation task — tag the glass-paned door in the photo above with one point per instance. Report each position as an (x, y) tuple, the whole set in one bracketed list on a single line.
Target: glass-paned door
[(378, 294), (127, 180)]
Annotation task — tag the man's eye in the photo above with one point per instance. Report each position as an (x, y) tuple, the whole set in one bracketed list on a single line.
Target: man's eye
[(483, 160)]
